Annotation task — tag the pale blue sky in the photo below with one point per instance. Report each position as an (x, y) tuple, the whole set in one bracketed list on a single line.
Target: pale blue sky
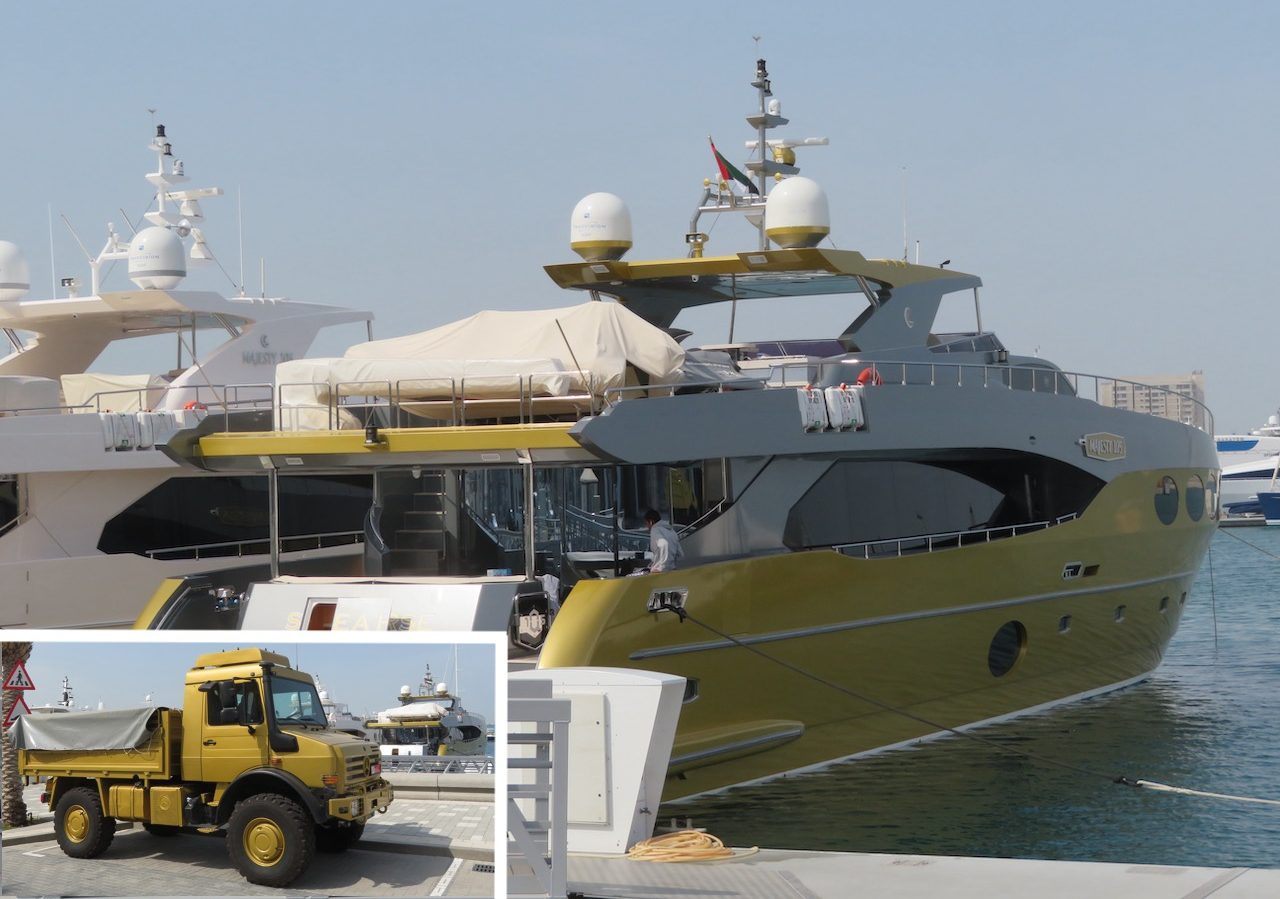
[(366, 676), (1107, 168)]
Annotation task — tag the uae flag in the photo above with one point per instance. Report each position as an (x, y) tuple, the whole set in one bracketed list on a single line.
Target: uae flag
[(727, 171)]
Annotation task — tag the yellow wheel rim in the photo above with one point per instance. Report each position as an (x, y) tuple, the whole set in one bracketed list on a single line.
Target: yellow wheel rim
[(264, 842), (76, 824)]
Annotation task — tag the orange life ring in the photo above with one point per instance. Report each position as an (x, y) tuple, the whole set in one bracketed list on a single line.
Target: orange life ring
[(194, 405), (870, 376)]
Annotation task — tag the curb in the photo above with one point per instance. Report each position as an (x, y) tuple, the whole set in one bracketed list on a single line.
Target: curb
[(43, 833)]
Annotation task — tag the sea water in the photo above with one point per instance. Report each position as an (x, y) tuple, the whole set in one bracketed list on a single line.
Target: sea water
[(1208, 718)]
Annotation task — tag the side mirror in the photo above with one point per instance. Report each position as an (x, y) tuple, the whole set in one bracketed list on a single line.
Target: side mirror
[(226, 694)]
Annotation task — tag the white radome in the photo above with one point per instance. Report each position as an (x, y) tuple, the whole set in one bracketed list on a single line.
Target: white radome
[(796, 214), (600, 228), (157, 259), (15, 276)]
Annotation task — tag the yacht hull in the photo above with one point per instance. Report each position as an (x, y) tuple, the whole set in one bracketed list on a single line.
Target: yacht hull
[(864, 654)]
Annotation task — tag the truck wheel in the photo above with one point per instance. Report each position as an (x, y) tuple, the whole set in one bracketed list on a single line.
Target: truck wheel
[(270, 839), (162, 830), (338, 838), (83, 830)]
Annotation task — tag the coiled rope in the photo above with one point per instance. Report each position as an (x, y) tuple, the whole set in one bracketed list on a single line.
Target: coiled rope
[(685, 846), (1021, 753)]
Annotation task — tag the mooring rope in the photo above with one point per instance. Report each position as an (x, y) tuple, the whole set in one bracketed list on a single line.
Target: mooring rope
[(685, 846), (1022, 753)]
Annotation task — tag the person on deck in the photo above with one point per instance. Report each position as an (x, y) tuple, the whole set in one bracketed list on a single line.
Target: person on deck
[(664, 543)]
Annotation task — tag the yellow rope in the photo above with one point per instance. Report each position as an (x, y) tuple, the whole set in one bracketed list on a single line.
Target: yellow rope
[(684, 846)]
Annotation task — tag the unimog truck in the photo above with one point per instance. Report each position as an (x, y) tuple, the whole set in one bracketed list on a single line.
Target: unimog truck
[(250, 753)]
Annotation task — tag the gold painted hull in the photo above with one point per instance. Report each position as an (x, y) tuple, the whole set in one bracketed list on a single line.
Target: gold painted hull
[(911, 633)]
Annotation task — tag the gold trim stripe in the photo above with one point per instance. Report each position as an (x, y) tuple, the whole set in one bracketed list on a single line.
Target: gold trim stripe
[(473, 438)]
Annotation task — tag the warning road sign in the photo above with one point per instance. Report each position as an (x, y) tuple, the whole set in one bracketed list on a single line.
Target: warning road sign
[(19, 708), (18, 678)]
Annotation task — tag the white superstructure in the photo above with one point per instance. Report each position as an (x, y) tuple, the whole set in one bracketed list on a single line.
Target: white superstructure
[(1250, 462), (89, 521)]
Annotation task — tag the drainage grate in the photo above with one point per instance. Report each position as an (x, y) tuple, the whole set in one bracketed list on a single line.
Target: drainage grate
[(482, 868)]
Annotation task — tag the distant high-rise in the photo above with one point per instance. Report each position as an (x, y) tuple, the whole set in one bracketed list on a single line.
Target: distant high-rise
[(1176, 397)]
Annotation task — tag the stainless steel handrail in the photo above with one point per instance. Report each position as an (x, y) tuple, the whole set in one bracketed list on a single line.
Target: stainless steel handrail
[(193, 551), (917, 543)]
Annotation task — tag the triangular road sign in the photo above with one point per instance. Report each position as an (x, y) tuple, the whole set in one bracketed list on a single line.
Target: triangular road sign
[(19, 708), (18, 678)]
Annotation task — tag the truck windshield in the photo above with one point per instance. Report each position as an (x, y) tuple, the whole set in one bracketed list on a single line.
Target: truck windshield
[(295, 700)]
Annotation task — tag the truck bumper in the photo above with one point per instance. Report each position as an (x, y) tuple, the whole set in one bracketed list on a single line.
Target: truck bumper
[(360, 806)]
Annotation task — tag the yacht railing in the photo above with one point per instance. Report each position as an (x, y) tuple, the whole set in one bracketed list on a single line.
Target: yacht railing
[(896, 547), (299, 543), (437, 764), (1032, 378), (420, 402)]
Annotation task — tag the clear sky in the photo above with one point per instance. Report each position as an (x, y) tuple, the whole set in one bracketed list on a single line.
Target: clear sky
[(1107, 168), (365, 676)]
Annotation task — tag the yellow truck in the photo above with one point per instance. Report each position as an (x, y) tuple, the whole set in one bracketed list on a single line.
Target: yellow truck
[(250, 752)]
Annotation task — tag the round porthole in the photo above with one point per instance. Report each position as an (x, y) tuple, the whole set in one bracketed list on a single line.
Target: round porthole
[(1007, 646), (1167, 499), (1195, 497)]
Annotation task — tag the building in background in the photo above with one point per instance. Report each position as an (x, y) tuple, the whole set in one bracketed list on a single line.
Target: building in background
[(1176, 397)]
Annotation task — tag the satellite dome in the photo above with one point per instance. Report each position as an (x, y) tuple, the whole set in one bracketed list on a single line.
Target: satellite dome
[(157, 259), (796, 213), (15, 277), (600, 228)]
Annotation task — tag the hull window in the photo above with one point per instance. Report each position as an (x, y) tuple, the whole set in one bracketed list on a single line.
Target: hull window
[(1195, 498), (1166, 500), (859, 501), (9, 511), (1007, 647)]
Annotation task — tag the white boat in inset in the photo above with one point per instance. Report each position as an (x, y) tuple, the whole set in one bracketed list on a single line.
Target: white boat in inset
[(431, 721), (92, 514), (339, 716)]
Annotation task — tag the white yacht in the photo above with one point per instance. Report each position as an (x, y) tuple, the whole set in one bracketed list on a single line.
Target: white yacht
[(92, 514), (340, 717), (1250, 464)]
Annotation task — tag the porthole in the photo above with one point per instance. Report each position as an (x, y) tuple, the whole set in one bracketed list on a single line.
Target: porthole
[(1120, 614), (1195, 497), (1164, 604), (1211, 496), (1064, 624), (1167, 499), (1007, 646)]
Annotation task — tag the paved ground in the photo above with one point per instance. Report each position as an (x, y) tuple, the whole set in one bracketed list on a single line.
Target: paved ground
[(419, 848)]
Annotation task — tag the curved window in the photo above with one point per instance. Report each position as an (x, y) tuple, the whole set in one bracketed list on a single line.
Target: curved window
[(190, 517), (1007, 646), (1167, 500), (1211, 496), (1195, 497)]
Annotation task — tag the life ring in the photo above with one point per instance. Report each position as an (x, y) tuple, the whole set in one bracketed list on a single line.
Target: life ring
[(194, 405), (870, 376)]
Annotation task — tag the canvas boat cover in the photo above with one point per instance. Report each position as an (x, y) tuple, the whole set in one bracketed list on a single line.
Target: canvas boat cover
[(413, 711), (27, 392), (114, 729), (116, 393), (555, 352)]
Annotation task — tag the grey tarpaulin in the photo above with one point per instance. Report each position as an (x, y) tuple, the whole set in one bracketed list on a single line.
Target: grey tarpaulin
[(114, 729)]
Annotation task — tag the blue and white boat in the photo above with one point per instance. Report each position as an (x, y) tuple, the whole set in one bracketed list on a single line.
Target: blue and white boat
[(1250, 464)]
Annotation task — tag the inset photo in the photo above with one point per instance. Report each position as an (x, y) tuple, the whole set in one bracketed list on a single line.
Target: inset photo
[(222, 769)]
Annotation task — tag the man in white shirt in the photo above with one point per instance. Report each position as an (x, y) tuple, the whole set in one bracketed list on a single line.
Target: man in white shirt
[(664, 543)]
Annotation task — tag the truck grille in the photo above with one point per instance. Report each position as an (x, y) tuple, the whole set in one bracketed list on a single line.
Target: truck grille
[(360, 767)]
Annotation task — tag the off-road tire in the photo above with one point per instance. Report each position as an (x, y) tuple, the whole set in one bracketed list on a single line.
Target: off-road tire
[(270, 839), (83, 830), (338, 838), (162, 830)]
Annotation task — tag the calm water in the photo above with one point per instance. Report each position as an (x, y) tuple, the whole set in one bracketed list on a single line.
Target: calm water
[(1209, 718)]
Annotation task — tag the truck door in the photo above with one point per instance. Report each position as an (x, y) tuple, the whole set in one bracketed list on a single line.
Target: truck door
[(233, 731)]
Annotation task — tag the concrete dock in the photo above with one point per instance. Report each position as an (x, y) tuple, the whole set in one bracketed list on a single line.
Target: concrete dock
[(786, 874)]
